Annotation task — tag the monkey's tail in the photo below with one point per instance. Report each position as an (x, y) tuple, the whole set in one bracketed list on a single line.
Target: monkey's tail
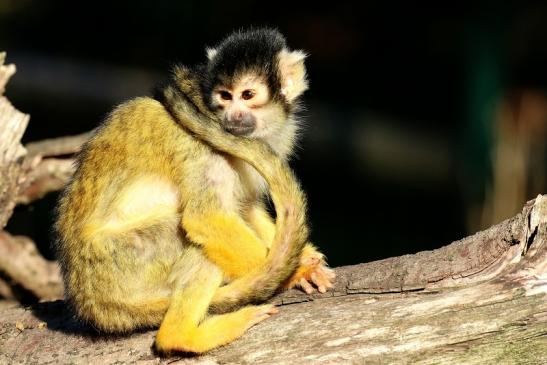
[(289, 200), (290, 238)]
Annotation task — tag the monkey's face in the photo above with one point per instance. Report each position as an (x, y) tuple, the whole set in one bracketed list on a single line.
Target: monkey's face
[(246, 107)]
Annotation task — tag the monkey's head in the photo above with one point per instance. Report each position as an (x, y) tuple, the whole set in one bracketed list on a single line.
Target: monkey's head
[(253, 82)]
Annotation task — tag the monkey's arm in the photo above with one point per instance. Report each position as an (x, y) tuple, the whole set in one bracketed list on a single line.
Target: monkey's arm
[(226, 240), (313, 268), (260, 220)]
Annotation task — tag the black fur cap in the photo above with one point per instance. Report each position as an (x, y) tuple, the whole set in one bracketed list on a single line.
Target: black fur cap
[(252, 50)]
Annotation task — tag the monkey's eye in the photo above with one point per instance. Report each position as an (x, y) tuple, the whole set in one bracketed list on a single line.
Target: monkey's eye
[(225, 95), (247, 94)]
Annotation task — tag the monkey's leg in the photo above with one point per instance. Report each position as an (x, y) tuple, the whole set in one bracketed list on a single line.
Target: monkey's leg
[(227, 241), (312, 270), (186, 326)]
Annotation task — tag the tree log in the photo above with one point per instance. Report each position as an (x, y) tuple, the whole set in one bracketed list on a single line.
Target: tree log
[(58, 146), (481, 300)]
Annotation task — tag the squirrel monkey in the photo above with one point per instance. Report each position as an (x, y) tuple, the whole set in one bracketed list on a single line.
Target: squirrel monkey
[(164, 224)]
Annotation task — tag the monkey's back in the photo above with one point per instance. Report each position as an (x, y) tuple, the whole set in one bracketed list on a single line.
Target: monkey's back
[(118, 219)]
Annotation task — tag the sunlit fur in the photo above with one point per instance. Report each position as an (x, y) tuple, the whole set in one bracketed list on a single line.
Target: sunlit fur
[(155, 221)]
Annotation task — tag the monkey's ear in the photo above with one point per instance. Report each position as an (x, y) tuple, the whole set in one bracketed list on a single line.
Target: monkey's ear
[(211, 52), (293, 74)]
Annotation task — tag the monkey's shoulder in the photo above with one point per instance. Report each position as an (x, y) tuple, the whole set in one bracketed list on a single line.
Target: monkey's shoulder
[(143, 129), (142, 116)]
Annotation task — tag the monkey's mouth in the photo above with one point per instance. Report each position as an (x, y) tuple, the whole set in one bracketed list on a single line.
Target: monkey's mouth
[(239, 130)]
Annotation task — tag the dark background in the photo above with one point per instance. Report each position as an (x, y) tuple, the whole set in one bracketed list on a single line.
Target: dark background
[(400, 115)]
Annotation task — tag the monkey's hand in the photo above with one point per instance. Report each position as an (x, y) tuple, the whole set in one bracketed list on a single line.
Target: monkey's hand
[(313, 271)]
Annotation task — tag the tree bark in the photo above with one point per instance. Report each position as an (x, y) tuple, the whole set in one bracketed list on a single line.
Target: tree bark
[(481, 300), (12, 126), (27, 174)]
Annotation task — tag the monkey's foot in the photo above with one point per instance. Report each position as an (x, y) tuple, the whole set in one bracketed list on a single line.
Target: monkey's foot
[(313, 271)]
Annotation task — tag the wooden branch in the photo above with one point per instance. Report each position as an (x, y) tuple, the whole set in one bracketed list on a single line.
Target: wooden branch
[(45, 175), (21, 261), (6, 291), (58, 146), (483, 310), (49, 175), (12, 126)]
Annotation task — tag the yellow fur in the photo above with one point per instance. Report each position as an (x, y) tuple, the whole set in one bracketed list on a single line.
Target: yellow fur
[(262, 223), (264, 226), (125, 259), (228, 242), (155, 221), (291, 232)]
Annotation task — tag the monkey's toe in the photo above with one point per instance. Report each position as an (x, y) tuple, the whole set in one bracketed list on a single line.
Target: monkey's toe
[(260, 313)]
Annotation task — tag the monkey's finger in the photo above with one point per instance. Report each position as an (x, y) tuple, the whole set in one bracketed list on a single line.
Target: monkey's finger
[(316, 279), (305, 286), (320, 282)]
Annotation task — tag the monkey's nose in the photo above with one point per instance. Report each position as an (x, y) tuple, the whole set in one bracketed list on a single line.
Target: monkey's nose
[(241, 123), (246, 120), (238, 115)]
